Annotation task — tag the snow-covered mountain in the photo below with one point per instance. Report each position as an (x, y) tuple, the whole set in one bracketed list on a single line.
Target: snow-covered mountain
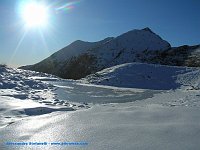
[(83, 58)]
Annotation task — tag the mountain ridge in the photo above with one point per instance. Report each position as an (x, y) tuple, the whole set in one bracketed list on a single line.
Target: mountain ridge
[(81, 58)]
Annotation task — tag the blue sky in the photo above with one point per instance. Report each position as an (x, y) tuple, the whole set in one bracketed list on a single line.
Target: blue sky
[(177, 21)]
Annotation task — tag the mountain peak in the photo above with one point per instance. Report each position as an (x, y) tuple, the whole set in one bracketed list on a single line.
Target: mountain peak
[(78, 42), (148, 29)]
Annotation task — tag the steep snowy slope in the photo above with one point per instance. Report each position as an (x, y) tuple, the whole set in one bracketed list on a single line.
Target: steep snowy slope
[(82, 58), (146, 76), (124, 48)]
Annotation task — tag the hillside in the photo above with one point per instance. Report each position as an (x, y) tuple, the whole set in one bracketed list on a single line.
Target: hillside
[(146, 76)]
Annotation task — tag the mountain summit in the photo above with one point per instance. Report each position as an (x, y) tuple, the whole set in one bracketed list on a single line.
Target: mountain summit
[(83, 58)]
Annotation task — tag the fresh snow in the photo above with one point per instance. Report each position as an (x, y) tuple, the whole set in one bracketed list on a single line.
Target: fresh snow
[(146, 76), (107, 110), (27, 93)]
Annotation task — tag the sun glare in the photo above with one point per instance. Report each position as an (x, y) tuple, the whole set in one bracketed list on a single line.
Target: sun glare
[(35, 14)]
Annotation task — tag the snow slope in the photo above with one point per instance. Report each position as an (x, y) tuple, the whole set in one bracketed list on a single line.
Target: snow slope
[(76, 48), (124, 48), (117, 117), (146, 76)]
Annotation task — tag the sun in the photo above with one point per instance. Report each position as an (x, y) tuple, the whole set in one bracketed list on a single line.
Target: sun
[(34, 14)]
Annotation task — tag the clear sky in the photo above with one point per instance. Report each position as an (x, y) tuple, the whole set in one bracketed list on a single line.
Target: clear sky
[(177, 21)]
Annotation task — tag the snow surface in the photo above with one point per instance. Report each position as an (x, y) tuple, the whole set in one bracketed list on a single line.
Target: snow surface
[(146, 76), (24, 93), (106, 117)]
